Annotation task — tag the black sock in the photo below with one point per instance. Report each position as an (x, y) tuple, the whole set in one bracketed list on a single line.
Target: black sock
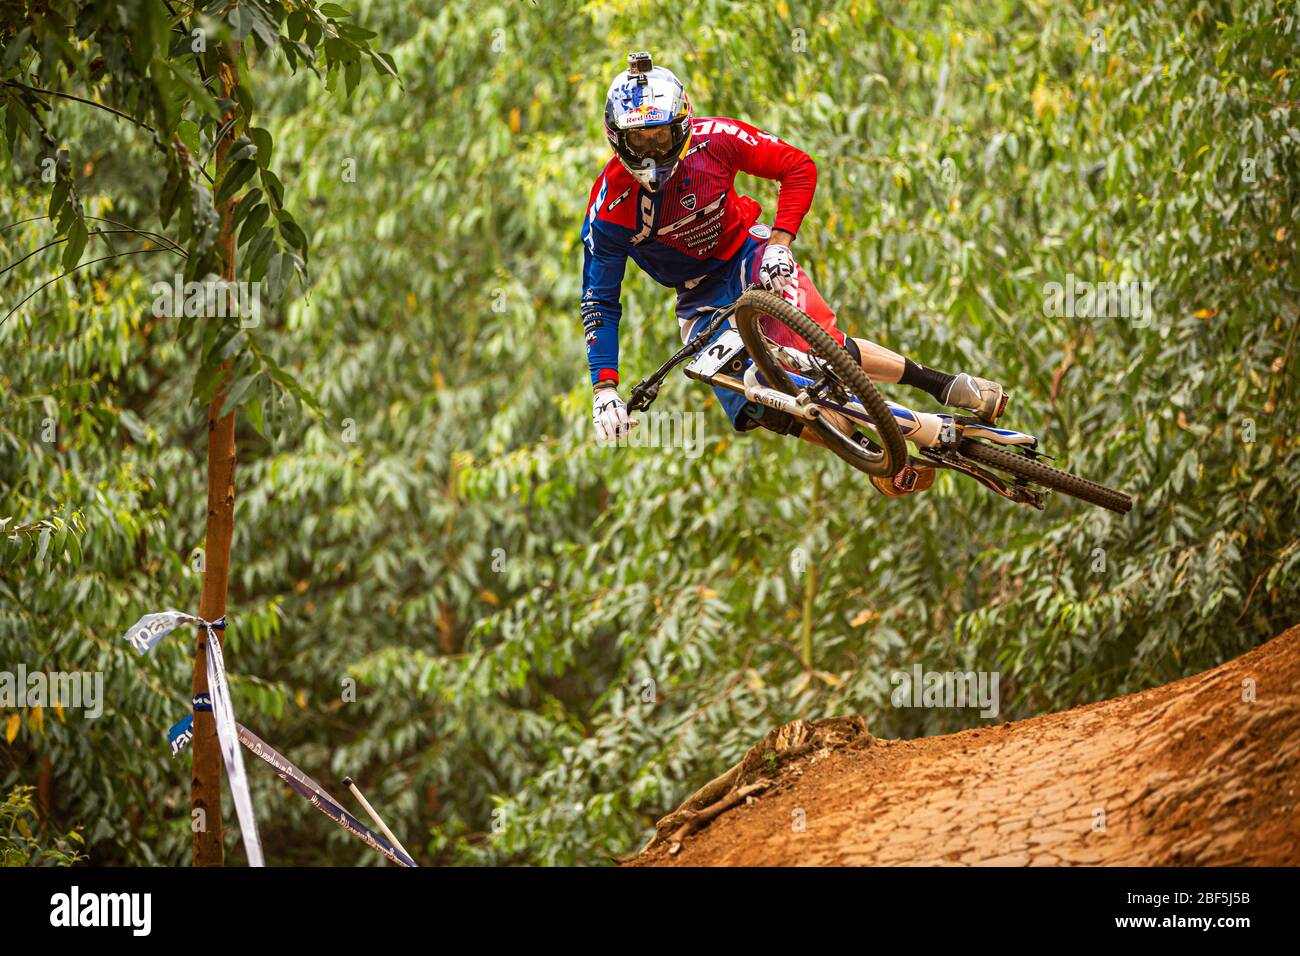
[(927, 379)]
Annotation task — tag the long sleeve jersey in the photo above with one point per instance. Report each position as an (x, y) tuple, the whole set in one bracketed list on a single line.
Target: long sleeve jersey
[(691, 226)]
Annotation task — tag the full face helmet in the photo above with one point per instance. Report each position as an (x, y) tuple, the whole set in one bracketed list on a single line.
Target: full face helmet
[(648, 120)]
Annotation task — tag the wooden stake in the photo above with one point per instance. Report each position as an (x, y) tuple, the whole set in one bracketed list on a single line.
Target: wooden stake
[(205, 785)]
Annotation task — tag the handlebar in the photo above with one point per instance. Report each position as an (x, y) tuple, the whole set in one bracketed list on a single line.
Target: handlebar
[(646, 391)]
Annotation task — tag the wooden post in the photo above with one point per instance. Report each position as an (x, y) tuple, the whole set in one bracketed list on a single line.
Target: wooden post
[(205, 785)]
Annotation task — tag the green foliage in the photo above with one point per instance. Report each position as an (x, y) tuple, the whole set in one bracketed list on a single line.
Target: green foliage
[(176, 78), (554, 643), (22, 843)]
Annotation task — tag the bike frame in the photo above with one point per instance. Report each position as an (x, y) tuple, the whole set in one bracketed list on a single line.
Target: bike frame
[(936, 436)]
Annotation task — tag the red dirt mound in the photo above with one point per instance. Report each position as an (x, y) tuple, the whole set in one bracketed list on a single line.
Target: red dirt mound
[(1192, 773)]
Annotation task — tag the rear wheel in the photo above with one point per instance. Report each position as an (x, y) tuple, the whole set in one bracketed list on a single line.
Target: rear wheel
[(890, 455), (1031, 469)]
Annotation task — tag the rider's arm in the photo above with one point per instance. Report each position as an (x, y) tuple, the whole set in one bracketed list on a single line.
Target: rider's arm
[(762, 154), (604, 260)]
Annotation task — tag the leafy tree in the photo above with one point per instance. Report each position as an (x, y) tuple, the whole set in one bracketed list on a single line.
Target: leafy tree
[(176, 76), (21, 843)]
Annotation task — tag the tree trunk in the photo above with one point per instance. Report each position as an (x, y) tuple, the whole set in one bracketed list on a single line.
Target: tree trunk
[(205, 787)]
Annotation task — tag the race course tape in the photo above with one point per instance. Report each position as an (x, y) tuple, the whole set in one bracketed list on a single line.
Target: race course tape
[(144, 635), (181, 734)]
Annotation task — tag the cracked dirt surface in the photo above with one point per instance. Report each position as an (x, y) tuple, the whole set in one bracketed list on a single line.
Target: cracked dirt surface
[(1185, 774)]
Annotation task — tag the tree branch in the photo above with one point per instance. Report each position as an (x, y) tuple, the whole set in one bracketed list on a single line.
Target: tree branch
[(81, 99), (90, 262)]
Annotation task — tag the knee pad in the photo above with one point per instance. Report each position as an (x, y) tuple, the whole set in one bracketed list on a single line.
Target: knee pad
[(851, 347)]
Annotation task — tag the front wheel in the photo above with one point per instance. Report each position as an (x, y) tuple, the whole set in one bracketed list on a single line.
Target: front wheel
[(890, 456)]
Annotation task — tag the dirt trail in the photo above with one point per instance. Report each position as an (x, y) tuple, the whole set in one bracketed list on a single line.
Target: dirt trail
[(1185, 774)]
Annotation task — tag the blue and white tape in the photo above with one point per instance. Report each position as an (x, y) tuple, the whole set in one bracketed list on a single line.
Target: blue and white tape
[(143, 636), (181, 734)]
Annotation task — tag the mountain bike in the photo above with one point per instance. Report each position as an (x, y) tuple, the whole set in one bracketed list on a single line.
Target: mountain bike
[(826, 377)]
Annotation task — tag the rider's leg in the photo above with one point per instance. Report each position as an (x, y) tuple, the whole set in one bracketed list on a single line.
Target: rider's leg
[(985, 398), (880, 364)]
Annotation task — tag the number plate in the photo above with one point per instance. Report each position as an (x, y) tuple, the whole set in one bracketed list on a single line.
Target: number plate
[(721, 351)]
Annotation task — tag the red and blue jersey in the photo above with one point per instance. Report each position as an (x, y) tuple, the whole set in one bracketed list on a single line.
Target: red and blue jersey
[(692, 226)]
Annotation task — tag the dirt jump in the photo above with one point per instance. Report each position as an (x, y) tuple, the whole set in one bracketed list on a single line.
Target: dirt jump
[(1203, 771)]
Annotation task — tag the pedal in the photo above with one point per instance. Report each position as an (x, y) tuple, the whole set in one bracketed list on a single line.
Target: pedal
[(903, 483)]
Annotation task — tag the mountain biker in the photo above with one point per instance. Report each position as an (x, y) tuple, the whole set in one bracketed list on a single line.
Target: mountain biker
[(666, 199)]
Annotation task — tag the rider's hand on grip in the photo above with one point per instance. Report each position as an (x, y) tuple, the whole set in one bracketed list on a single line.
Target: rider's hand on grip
[(609, 415), (777, 270)]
